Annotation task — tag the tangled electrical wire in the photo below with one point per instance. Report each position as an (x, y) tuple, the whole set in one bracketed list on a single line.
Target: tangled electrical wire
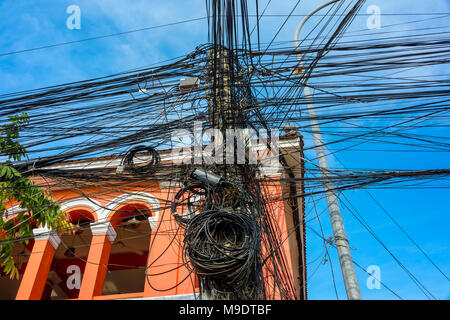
[(359, 90), (127, 162), (221, 247), (221, 237)]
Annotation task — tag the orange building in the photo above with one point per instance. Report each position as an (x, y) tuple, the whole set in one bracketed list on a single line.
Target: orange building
[(126, 244)]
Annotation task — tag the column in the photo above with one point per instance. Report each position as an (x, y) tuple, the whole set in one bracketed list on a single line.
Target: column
[(103, 235), (36, 272)]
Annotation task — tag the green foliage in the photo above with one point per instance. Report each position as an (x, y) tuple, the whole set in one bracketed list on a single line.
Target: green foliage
[(10, 131), (40, 208)]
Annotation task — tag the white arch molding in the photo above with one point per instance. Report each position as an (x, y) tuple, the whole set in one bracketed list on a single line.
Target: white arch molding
[(14, 210), (81, 202), (148, 198), (66, 205)]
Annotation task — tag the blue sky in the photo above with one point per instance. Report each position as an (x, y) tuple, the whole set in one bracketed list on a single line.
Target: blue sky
[(423, 213)]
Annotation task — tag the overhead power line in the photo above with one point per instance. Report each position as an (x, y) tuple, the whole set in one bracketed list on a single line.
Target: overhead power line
[(100, 37)]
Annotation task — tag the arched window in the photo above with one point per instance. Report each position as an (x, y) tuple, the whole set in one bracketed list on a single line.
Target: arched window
[(129, 252)]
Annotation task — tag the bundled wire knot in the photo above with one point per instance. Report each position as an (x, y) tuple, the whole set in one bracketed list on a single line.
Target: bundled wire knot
[(222, 246), (128, 161)]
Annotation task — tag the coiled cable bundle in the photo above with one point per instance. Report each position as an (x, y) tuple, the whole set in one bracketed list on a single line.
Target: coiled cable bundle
[(127, 162), (194, 197), (222, 248), (222, 239)]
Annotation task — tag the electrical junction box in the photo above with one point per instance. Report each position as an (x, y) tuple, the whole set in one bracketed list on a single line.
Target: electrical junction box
[(189, 84)]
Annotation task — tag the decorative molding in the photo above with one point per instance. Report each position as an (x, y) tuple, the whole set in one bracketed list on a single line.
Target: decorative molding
[(153, 221), (47, 234), (189, 296), (148, 198), (81, 202), (104, 228), (14, 210), (113, 163)]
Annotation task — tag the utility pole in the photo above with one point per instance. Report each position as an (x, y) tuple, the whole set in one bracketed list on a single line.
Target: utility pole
[(239, 229), (224, 114), (341, 241)]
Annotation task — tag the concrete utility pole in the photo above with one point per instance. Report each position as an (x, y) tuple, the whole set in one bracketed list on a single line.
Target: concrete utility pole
[(342, 245), (224, 114)]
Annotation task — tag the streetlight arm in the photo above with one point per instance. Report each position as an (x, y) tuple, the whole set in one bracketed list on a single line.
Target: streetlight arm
[(300, 25)]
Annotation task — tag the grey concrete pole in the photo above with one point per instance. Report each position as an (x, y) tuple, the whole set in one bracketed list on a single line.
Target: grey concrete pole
[(341, 241)]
